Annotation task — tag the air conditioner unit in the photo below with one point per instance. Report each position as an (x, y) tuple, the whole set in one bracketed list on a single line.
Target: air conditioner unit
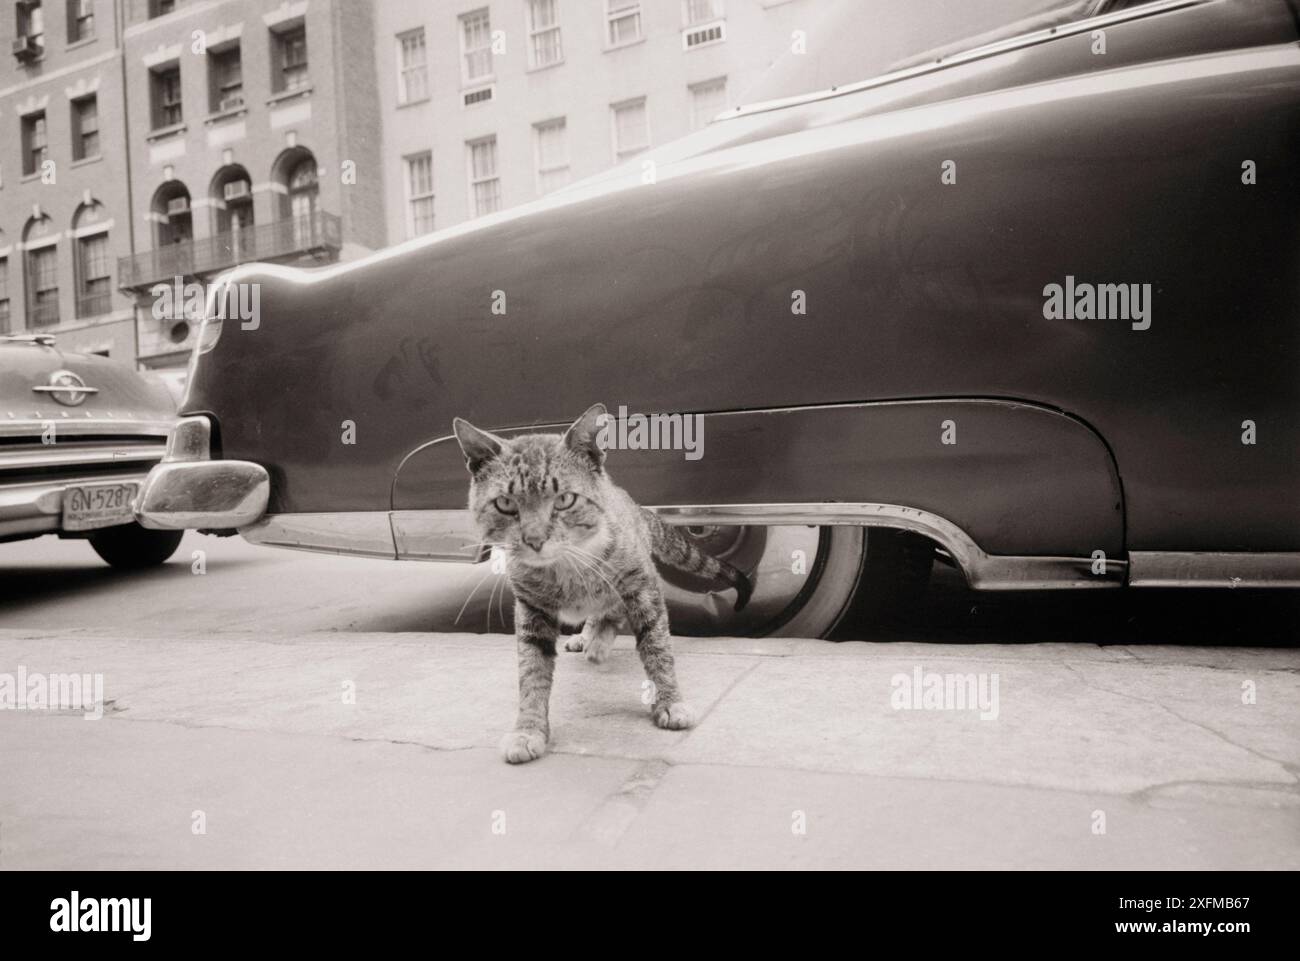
[(233, 102), (27, 49), (481, 95), (236, 190), (700, 36), (178, 205)]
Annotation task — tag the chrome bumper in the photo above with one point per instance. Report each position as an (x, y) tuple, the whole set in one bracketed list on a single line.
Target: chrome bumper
[(209, 495), (187, 491)]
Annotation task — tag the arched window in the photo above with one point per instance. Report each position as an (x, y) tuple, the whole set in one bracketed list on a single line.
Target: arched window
[(173, 223), (303, 189), (40, 243), (232, 198), (294, 173), (93, 264)]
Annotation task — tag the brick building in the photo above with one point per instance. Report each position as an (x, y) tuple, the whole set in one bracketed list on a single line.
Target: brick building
[(65, 209), (254, 132)]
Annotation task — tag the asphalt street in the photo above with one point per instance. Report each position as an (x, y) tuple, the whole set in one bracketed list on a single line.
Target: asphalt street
[(283, 709)]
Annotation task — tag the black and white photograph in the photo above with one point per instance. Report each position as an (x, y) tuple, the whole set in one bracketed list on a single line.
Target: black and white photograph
[(651, 435)]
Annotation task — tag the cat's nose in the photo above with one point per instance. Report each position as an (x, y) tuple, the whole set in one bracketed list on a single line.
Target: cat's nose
[(535, 544)]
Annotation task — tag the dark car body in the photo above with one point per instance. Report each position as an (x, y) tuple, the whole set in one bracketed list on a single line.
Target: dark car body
[(924, 388)]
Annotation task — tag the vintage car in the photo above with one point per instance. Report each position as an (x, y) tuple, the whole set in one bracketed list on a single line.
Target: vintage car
[(78, 435), (1030, 305)]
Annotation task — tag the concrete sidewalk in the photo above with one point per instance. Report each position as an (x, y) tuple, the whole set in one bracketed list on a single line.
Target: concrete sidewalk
[(799, 759)]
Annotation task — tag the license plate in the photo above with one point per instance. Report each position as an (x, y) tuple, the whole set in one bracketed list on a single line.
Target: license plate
[(93, 506)]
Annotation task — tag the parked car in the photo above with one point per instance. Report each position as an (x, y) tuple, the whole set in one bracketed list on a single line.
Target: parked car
[(78, 435), (1031, 305)]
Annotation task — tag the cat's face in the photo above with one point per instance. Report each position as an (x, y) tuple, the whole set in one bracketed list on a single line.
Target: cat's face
[(538, 495)]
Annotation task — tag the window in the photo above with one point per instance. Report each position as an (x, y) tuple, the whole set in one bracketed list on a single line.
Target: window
[(623, 22), (166, 94), (419, 194), (225, 79), (81, 20), (291, 60), (631, 131), (552, 155), (43, 285), (484, 183), (412, 67), (476, 45), (31, 24), (232, 196), (696, 12), (85, 128), (160, 8), (35, 143), (544, 46), (708, 99), (95, 294), (4, 295)]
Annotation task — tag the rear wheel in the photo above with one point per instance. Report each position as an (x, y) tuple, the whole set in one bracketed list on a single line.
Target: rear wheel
[(807, 580), (133, 547)]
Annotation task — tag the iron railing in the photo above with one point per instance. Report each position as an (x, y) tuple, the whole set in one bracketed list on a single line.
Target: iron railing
[(319, 232)]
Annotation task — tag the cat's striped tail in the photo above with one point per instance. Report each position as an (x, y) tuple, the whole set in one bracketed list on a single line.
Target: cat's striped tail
[(670, 547)]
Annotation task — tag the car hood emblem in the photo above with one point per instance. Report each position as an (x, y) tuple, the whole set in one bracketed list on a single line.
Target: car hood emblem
[(67, 388)]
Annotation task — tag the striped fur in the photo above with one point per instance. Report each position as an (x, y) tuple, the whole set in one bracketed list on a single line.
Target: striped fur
[(580, 551)]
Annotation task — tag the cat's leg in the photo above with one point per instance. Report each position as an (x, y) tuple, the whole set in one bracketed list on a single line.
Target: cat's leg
[(535, 635), (598, 637), (582, 642), (648, 618)]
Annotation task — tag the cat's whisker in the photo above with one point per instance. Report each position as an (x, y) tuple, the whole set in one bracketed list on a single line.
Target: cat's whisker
[(599, 562), (491, 594), (461, 612), (595, 570)]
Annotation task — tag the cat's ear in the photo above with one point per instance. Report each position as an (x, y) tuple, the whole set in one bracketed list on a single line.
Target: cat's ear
[(585, 435), (478, 446)]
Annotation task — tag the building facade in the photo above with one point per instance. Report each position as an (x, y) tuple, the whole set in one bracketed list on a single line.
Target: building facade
[(150, 142), (491, 103), (254, 134), (65, 211)]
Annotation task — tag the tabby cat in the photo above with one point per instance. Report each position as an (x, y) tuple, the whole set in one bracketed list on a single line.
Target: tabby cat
[(580, 551)]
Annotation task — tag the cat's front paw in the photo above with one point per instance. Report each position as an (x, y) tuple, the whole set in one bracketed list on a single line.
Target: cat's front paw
[(575, 643), (674, 717), (520, 747)]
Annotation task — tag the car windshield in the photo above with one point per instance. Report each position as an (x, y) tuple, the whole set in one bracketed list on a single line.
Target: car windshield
[(860, 39)]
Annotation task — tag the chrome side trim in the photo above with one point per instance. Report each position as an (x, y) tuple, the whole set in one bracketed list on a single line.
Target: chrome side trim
[(984, 572), (436, 536), (449, 535), (69, 425), (1209, 569), (1031, 39), (363, 533), (64, 455)]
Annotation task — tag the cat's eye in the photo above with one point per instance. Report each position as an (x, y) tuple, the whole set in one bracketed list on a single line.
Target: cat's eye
[(506, 505), (566, 500)]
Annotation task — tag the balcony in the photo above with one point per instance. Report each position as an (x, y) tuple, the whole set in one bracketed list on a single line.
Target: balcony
[(319, 234)]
